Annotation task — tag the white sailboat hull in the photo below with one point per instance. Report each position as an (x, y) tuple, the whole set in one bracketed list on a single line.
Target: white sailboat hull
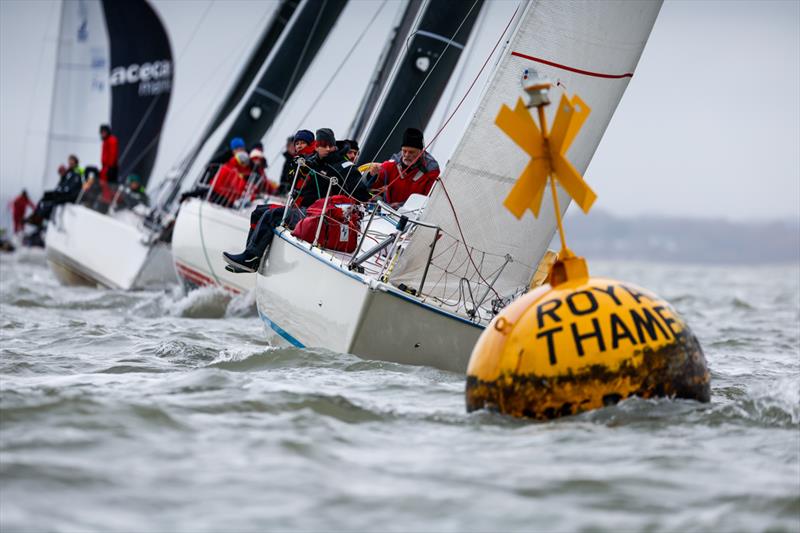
[(204, 230), (85, 247), (309, 300)]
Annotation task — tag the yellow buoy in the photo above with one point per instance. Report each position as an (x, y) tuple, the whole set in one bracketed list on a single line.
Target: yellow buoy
[(578, 343), (582, 343)]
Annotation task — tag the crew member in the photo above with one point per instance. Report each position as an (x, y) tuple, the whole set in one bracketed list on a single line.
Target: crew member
[(109, 159), (19, 206), (286, 171), (259, 182), (67, 191), (326, 163), (231, 179), (410, 171)]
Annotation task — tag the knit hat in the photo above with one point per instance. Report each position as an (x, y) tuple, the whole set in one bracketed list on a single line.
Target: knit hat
[(412, 138), (237, 142), (255, 153), (326, 135), (305, 136), (353, 144)]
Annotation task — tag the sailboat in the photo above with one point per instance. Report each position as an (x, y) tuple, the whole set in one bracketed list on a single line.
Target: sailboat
[(428, 276), (203, 229), (106, 64), (102, 65)]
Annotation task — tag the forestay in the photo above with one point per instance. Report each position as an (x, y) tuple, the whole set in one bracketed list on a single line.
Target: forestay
[(587, 48)]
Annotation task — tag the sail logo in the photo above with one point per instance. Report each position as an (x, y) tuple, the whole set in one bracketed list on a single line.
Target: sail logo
[(153, 78)]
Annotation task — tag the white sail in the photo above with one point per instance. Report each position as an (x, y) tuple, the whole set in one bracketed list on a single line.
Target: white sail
[(81, 97), (589, 48)]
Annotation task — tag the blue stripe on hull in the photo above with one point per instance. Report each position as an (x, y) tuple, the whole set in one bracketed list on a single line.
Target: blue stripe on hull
[(280, 331)]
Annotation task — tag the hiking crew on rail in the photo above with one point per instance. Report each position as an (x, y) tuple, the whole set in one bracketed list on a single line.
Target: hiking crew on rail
[(410, 171)]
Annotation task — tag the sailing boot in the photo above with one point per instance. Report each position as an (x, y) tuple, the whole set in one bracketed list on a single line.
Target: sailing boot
[(245, 262)]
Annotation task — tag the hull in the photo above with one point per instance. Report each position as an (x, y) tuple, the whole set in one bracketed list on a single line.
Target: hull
[(85, 247), (308, 299), (204, 230)]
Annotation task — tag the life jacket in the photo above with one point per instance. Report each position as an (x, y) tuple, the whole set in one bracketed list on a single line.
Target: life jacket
[(340, 227)]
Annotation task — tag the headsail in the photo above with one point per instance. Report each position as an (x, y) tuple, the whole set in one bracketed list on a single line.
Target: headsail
[(141, 82), (585, 47), (80, 89)]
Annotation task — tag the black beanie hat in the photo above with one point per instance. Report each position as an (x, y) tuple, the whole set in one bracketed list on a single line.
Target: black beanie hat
[(353, 144), (412, 138), (326, 134)]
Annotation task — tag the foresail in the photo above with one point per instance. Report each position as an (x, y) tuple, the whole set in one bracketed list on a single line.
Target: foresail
[(140, 80), (81, 97), (588, 48)]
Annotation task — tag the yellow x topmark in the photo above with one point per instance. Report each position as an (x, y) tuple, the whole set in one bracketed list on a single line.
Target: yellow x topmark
[(547, 155)]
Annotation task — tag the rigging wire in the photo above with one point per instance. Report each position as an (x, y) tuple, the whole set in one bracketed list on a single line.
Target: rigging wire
[(326, 87), (444, 188), (393, 73), (430, 72)]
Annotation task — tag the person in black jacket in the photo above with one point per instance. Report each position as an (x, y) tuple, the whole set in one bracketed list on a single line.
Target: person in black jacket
[(317, 171), (288, 165), (67, 191)]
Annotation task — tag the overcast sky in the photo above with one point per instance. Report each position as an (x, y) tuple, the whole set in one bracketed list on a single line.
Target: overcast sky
[(709, 125)]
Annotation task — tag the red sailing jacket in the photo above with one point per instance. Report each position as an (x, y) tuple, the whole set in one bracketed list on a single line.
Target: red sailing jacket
[(109, 157), (231, 180), (18, 207), (401, 182)]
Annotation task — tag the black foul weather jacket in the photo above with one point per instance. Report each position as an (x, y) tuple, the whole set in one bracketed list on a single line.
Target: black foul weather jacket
[(319, 173)]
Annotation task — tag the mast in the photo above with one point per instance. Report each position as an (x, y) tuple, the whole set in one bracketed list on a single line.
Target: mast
[(384, 70), (421, 75), (307, 31), (260, 52)]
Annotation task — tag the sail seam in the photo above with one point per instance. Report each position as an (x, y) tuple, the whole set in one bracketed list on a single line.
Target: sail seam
[(572, 69), (441, 38), (272, 96)]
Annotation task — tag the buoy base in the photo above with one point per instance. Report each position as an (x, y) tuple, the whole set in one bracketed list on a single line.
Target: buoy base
[(677, 370)]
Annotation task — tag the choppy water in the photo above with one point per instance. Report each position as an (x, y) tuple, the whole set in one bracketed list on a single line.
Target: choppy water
[(154, 411)]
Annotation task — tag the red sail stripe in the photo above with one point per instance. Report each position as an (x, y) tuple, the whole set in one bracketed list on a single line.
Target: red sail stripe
[(571, 69)]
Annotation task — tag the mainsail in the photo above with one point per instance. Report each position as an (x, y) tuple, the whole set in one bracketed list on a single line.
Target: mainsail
[(141, 82), (307, 31), (244, 79), (422, 73), (585, 47), (81, 96)]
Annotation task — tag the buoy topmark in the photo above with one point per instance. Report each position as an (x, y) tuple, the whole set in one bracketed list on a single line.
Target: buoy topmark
[(580, 344)]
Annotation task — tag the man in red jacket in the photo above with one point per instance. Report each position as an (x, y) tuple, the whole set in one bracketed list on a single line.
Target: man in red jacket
[(410, 171), (109, 160)]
